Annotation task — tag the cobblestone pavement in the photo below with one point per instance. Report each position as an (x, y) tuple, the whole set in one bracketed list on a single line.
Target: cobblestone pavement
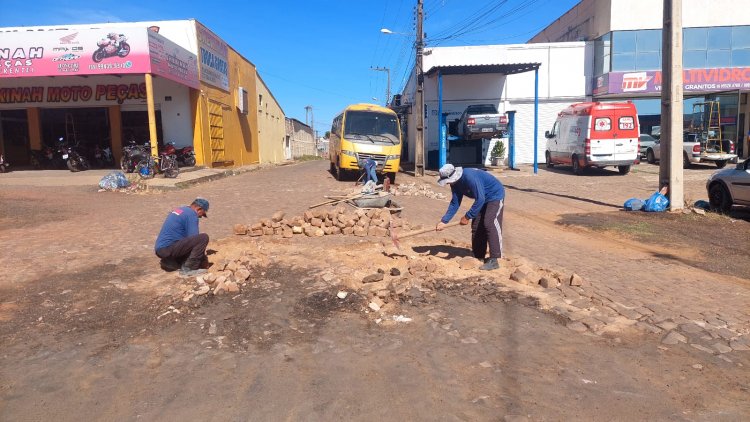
[(640, 317), (628, 283)]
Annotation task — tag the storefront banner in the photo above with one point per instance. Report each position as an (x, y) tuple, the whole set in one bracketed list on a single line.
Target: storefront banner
[(74, 52), (171, 61), (214, 58), (694, 80), (102, 94)]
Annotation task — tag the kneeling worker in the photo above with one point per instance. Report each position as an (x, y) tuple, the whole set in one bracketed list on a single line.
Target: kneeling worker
[(179, 244), (486, 214)]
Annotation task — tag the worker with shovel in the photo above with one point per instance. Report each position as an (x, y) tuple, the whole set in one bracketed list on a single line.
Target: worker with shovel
[(486, 214)]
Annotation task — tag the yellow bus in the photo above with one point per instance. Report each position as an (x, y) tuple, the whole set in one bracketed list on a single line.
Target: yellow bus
[(362, 131)]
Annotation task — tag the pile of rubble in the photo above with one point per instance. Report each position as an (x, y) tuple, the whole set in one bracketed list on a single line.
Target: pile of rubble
[(225, 277), (412, 189), (321, 222)]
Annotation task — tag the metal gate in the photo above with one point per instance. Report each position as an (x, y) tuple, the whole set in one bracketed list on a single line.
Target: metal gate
[(216, 128)]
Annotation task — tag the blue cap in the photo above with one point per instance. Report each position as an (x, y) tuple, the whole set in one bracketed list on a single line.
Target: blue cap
[(203, 203)]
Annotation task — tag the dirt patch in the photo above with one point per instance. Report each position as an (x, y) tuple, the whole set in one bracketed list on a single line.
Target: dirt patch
[(720, 242)]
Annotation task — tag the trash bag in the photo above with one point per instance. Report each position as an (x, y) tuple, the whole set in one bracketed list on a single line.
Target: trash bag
[(633, 204), (704, 205), (656, 203), (114, 180)]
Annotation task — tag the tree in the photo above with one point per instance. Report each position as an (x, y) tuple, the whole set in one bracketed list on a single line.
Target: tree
[(327, 134)]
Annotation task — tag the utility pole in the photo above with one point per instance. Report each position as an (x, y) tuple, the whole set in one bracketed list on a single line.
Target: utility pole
[(670, 169), (419, 142), (311, 123), (388, 86)]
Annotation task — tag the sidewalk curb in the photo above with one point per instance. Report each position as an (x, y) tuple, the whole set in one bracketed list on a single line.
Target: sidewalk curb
[(192, 182)]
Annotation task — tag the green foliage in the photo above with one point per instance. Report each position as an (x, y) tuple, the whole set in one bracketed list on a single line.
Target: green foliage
[(498, 151)]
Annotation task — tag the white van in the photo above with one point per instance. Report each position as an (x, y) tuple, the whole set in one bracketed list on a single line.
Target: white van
[(594, 135)]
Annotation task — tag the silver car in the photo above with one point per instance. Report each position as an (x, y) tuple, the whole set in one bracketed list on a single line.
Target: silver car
[(729, 187), (647, 141)]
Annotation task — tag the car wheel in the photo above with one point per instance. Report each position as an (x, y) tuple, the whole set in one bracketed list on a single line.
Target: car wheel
[(577, 170), (650, 158), (685, 161), (548, 157), (721, 164), (719, 198), (623, 169)]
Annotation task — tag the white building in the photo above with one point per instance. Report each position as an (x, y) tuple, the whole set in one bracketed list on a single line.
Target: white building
[(599, 50)]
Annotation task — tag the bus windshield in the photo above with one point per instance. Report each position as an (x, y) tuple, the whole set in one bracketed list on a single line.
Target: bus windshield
[(371, 127)]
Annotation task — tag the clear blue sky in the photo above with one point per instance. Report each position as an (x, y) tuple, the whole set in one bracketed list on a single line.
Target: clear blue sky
[(318, 53)]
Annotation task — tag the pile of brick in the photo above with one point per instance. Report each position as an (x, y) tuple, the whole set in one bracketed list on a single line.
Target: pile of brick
[(412, 189), (321, 222)]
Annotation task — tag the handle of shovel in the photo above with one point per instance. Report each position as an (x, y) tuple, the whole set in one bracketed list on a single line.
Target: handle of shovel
[(422, 231)]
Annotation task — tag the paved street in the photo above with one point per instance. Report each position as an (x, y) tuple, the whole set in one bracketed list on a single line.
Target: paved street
[(655, 330)]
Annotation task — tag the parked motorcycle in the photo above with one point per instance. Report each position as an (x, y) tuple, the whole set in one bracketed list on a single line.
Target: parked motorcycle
[(113, 45), (48, 158), (3, 164), (132, 154), (73, 157), (102, 157), (185, 155), (165, 163)]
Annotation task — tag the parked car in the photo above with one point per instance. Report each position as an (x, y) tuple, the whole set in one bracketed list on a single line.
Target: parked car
[(729, 187), (480, 121), (646, 141), (695, 152), (594, 135)]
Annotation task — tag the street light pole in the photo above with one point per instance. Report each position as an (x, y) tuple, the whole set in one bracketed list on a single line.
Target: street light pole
[(419, 142), (388, 86)]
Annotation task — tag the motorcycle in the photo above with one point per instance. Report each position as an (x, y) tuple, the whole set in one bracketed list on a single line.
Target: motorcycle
[(102, 157), (3, 164), (73, 158), (185, 155), (165, 163), (109, 47), (132, 154)]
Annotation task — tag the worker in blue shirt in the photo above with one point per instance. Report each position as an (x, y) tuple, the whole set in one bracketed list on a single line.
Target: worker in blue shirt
[(486, 215), (179, 244), (369, 167)]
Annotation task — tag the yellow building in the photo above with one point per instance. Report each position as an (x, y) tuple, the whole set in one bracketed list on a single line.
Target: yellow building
[(105, 85)]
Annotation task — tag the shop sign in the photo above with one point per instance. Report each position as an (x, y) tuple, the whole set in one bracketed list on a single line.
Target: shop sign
[(694, 80), (171, 61), (106, 51), (78, 52), (214, 58), (118, 93)]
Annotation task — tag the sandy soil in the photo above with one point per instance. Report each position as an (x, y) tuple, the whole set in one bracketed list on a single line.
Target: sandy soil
[(88, 328)]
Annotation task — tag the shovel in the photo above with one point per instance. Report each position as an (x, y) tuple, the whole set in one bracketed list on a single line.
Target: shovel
[(397, 237)]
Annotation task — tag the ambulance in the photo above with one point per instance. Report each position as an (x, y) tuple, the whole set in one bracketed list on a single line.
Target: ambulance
[(594, 134)]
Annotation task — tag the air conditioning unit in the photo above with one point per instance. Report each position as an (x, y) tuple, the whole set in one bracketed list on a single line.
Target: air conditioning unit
[(242, 104)]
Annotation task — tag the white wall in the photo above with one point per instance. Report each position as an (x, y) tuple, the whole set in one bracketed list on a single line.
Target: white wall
[(563, 79), (176, 115)]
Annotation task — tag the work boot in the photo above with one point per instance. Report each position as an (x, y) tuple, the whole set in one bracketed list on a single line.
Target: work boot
[(187, 272), (169, 265), (490, 264)]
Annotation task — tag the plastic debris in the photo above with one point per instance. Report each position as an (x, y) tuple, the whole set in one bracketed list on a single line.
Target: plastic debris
[(114, 180)]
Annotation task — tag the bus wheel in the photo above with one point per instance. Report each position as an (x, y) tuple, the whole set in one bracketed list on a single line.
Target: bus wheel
[(339, 174), (392, 177)]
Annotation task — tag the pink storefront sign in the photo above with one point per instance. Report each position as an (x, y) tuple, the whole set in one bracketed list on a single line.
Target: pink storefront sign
[(121, 50)]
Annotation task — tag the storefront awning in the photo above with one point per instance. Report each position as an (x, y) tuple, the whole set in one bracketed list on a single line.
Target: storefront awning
[(505, 68)]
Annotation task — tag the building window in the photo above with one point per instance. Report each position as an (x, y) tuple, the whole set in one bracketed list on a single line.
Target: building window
[(602, 48), (722, 46), (636, 50)]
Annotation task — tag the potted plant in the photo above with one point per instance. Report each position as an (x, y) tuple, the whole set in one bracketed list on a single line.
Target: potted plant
[(497, 154)]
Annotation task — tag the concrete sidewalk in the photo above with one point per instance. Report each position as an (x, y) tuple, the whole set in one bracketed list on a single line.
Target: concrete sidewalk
[(90, 178)]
